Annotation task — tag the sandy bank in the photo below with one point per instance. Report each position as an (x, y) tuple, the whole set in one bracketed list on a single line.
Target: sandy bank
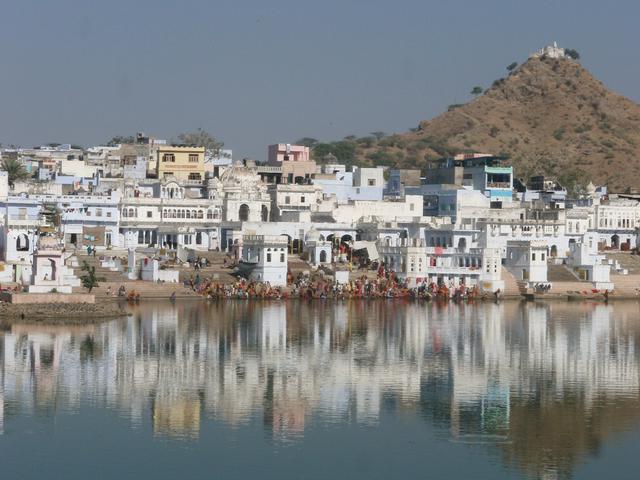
[(62, 313)]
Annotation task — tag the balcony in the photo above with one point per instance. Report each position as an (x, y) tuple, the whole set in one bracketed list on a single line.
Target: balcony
[(25, 220), (499, 185)]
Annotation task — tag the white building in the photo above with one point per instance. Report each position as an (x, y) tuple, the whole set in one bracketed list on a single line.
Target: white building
[(588, 265), (527, 261), (266, 258), (416, 263)]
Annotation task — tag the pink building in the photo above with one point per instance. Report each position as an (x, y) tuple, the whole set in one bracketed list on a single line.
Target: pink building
[(295, 160)]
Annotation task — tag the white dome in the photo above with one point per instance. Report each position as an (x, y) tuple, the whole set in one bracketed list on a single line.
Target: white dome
[(312, 236)]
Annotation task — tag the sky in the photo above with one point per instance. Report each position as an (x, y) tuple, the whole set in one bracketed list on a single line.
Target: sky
[(257, 72)]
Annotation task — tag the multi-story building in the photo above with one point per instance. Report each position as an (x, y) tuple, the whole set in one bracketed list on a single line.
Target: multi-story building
[(480, 171), (185, 164), (297, 165), (416, 263)]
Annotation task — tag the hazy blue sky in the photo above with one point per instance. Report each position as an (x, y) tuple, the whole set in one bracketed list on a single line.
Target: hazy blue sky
[(262, 71)]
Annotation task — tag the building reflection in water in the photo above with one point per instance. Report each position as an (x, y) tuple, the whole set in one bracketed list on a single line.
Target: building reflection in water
[(542, 384)]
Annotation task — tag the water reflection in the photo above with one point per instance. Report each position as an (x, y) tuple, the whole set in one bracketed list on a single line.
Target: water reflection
[(542, 385)]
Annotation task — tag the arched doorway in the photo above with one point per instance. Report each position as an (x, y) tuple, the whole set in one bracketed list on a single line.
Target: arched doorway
[(265, 213), (243, 214), (554, 251), (289, 244), (22, 243), (323, 256), (54, 271), (615, 241), (462, 244)]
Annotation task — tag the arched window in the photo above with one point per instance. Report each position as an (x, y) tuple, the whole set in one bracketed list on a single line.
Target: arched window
[(200, 214), (323, 256), (188, 214), (243, 213), (209, 214), (22, 243)]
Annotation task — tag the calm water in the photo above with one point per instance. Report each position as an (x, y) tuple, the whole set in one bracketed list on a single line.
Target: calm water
[(373, 390)]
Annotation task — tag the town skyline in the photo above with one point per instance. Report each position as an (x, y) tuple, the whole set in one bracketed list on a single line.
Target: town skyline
[(341, 76)]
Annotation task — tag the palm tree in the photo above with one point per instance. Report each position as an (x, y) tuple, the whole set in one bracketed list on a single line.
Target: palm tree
[(15, 170)]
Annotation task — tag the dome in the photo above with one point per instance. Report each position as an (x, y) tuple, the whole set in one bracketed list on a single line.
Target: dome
[(312, 236), (330, 158)]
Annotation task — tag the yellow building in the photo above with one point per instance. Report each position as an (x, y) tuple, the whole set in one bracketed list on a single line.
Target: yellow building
[(183, 163)]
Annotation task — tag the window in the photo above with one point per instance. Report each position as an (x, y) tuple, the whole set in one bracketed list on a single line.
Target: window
[(193, 158), (169, 157), (285, 158), (282, 258), (533, 257), (371, 182), (268, 258), (542, 256), (302, 199), (411, 207), (149, 213), (108, 213), (287, 199), (194, 176), (98, 212)]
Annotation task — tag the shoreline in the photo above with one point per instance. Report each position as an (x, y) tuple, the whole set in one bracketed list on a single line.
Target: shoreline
[(62, 313), (110, 308)]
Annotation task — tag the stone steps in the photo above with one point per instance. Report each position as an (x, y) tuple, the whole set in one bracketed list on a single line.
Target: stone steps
[(146, 290), (511, 285), (560, 273)]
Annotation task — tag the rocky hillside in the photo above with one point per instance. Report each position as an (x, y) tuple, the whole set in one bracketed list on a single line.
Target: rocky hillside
[(549, 116)]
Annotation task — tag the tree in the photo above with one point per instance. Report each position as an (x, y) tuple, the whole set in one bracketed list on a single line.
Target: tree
[(120, 139), (512, 66), (15, 170), (378, 135), (90, 280), (200, 138), (476, 91), (307, 142), (572, 53)]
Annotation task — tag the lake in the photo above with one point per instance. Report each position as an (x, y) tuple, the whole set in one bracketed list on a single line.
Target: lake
[(322, 389)]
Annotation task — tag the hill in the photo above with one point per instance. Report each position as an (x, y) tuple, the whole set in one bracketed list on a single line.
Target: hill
[(549, 116)]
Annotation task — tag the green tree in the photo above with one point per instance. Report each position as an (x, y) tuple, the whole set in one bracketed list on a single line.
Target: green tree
[(512, 66), (200, 138), (90, 280), (378, 135), (343, 151), (121, 139), (572, 53), (476, 90), (15, 170), (307, 142)]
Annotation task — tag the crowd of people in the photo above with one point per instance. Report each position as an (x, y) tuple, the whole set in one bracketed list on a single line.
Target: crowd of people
[(319, 287)]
